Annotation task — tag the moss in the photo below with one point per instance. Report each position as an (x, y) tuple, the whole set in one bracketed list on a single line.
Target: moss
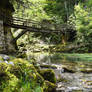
[(11, 84), (39, 79), (7, 80), (77, 90), (48, 66), (37, 66), (62, 80), (21, 67), (22, 55), (48, 74), (1, 59), (68, 70), (49, 87), (86, 70), (69, 67), (23, 75), (3, 67)]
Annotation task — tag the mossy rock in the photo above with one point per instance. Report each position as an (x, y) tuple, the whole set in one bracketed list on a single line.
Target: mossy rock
[(25, 69), (22, 66), (13, 77), (3, 67), (69, 68), (48, 74), (39, 79), (86, 70), (11, 84), (35, 64), (1, 59), (48, 66), (22, 55), (49, 87), (62, 80), (8, 81)]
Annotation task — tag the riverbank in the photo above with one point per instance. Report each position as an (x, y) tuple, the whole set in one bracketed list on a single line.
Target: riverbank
[(20, 75), (73, 71)]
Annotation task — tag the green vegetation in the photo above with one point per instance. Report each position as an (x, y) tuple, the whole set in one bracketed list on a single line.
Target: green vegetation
[(21, 77), (49, 75), (73, 21), (72, 15)]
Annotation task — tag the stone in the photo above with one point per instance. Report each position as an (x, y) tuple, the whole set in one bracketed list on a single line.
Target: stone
[(68, 69), (6, 57), (86, 70), (48, 74), (48, 66)]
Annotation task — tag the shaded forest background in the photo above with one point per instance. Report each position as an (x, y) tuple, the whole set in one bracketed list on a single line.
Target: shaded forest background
[(75, 14)]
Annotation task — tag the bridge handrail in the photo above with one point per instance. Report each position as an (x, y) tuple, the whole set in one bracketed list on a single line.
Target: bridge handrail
[(26, 22)]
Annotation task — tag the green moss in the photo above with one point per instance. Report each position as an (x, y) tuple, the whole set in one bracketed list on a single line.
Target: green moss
[(23, 77), (48, 74), (86, 70), (39, 79), (3, 67), (1, 59), (22, 55), (48, 66), (11, 84), (62, 80), (8, 81), (69, 69), (49, 87), (22, 68)]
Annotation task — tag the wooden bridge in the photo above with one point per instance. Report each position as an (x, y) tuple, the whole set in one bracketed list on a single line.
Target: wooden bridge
[(30, 25)]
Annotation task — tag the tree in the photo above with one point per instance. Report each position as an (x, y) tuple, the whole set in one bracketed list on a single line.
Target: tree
[(83, 24)]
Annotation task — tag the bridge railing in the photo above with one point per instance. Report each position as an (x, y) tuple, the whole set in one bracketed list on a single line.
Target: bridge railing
[(24, 22), (27, 23)]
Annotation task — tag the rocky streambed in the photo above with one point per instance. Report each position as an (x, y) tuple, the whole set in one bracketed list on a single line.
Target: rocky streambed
[(73, 75), (72, 78)]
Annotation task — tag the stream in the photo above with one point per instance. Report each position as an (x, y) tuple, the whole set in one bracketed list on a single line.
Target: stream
[(73, 71)]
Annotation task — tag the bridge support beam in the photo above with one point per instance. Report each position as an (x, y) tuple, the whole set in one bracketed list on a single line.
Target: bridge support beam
[(6, 37)]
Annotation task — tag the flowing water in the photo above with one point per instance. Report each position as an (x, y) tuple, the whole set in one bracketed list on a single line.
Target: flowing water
[(73, 71)]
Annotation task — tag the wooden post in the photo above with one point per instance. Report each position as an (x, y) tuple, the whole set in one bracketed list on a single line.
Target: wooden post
[(63, 39)]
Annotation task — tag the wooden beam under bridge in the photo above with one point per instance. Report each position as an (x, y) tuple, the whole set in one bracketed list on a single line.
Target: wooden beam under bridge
[(30, 29)]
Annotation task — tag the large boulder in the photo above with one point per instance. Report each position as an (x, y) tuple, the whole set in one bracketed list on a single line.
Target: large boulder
[(48, 74)]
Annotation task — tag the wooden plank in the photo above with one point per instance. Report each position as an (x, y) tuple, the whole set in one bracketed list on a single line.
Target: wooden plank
[(32, 28)]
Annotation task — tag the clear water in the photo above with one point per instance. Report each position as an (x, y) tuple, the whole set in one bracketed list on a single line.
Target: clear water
[(69, 82)]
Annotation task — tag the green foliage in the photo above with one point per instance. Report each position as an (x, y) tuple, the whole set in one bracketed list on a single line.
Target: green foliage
[(23, 77), (8, 81), (83, 24), (60, 9), (76, 13), (49, 87), (32, 10), (20, 77)]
